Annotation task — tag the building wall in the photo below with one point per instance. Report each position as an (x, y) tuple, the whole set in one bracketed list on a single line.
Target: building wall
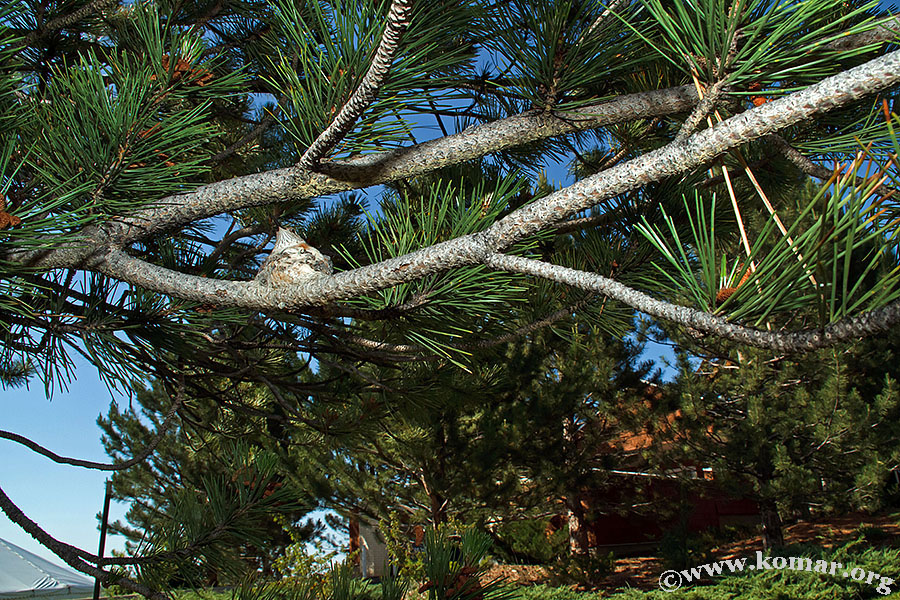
[(373, 555)]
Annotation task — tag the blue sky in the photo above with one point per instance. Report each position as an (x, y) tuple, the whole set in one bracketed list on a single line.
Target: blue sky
[(63, 499)]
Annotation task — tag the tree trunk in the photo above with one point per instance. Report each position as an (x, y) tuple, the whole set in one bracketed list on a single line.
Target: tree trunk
[(773, 532), (438, 508), (438, 473), (578, 530)]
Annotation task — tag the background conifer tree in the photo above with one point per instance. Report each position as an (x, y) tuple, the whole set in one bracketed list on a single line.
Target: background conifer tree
[(803, 438)]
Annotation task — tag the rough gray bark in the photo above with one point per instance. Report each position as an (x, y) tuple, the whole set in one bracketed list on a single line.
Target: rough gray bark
[(700, 112), (398, 21), (851, 328), (101, 249)]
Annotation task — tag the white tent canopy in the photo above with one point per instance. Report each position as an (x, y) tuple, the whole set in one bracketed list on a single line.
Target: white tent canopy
[(26, 575)]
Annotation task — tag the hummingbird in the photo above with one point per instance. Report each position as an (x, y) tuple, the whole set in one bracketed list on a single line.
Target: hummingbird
[(292, 259)]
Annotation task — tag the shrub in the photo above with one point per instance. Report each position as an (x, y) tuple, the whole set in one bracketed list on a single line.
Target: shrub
[(527, 541), (546, 592), (872, 533), (584, 570)]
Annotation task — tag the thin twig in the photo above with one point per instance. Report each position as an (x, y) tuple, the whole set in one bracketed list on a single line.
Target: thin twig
[(598, 25), (256, 132), (87, 464), (701, 111), (66, 20)]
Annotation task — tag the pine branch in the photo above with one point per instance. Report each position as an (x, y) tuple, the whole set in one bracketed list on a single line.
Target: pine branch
[(398, 21), (811, 168), (230, 239), (845, 330), (703, 108), (68, 20), (79, 559), (886, 30), (250, 136), (87, 464), (279, 185), (72, 555), (673, 159), (677, 158)]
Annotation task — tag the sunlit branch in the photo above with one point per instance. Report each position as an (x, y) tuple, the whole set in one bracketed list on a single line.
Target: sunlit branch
[(845, 330), (397, 22)]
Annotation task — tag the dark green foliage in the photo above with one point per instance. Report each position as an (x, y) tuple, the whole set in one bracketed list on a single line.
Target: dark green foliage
[(810, 435), (717, 40), (526, 541), (488, 446), (555, 52), (211, 472), (680, 549), (546, 592), (585, 570), (454, 563)]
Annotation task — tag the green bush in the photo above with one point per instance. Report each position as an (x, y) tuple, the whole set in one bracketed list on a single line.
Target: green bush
[(202, 595), (399, 542), (872, 533), (679, 549), (585, 570), (526, 541)]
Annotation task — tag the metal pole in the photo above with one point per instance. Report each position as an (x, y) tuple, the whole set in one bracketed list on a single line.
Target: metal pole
[(102, 548)]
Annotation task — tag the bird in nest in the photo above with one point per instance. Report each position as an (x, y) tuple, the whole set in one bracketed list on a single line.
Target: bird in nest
[(292, 259)]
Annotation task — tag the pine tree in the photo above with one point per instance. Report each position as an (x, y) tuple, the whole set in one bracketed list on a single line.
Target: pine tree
[(528, 434), (801, 437), (152, 152), (187, 455)]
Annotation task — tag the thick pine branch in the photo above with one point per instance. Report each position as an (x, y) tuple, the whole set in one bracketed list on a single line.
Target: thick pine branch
[(294, 183), (174, 212), (100, 250), (673, 159)]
